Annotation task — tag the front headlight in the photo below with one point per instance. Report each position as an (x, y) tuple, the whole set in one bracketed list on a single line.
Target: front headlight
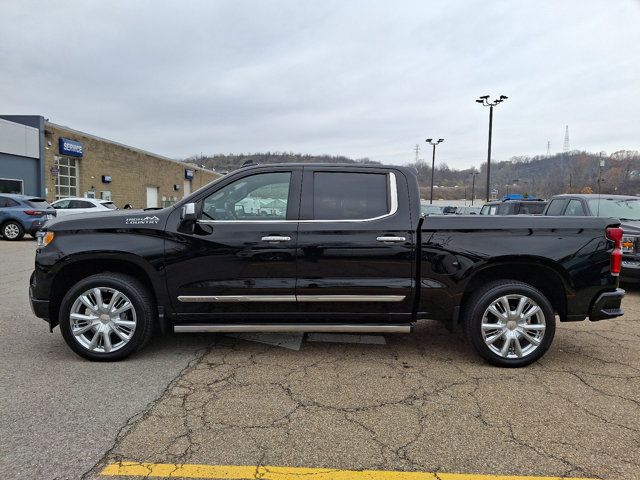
[(44, 238), (628, 244)]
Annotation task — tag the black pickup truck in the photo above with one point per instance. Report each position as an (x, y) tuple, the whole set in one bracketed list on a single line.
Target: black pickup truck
[(321, 248)]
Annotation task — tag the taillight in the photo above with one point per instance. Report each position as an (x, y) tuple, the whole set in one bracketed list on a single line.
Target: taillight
[(34, 212), (615, 234)]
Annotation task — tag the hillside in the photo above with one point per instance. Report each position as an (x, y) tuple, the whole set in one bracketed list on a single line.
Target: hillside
[(227, 163), (541, 176)]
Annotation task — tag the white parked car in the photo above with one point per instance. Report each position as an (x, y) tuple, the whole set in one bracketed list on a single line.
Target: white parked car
[(74, 205)]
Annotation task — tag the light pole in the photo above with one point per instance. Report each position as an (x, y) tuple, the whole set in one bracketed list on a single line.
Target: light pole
[(485, 101), (433, 161), (473, 186)]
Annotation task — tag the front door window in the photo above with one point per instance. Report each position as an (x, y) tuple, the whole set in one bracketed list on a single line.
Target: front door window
[(258, 197)]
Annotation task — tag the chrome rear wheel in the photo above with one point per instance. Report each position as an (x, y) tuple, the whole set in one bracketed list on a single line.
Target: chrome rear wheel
[(510, 323), (513, 326)]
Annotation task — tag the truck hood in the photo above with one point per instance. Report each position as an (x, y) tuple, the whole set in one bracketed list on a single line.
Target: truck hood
[(632, 227), (118, 219)]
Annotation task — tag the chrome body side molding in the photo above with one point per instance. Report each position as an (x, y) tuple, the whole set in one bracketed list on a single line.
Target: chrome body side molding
[(350, 298), (293, 328), (235, 298), (289, 298)]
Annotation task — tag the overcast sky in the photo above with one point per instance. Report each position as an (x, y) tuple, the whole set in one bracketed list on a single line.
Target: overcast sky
[(356, 78)]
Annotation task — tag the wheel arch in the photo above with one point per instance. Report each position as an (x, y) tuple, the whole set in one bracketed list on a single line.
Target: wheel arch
[(536, 272), (75, 268)]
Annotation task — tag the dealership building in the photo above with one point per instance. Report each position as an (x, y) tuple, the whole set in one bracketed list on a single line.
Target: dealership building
[(41, 158)]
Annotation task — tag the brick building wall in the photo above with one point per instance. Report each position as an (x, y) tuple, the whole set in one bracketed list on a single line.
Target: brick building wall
[(131, 170)]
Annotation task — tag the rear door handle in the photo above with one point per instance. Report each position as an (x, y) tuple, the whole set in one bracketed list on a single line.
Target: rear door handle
[(276, 238), (391, 239)]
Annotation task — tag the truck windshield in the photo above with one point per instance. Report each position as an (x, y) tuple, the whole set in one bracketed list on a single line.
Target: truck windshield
[(622, 208)]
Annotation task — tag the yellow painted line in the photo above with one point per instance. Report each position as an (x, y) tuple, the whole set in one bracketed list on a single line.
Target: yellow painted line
[(234, 472)]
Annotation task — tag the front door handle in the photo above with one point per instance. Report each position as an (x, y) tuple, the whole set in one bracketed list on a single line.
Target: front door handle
[(276, 238), (391, 239)]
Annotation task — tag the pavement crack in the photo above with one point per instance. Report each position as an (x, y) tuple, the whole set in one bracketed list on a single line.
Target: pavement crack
[(143, 414)]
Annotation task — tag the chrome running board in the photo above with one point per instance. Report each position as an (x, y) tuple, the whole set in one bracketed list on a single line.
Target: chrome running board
[(292, 328)]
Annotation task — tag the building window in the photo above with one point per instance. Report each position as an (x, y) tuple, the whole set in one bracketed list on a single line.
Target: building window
[(11, 185), (67, 179)]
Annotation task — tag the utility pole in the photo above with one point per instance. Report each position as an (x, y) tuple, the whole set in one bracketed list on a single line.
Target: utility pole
[(600, 165), (473, 186), (486, 102), (433, 161)]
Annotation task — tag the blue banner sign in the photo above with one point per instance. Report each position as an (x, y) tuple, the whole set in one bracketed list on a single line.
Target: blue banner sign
[(188, 174), (70, 147)]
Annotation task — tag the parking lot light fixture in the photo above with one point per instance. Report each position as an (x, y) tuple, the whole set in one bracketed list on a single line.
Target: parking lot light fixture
[(433, 161), (485, 100)]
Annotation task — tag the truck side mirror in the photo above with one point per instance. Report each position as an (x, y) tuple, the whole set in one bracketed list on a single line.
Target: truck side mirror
[(188, 212)]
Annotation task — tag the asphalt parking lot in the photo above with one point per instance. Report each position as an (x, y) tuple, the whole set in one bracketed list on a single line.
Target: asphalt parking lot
[(193, 406)]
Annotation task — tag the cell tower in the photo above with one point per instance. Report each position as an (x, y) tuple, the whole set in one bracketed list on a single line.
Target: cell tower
[(565, 147), (417, 150), (548, 148)]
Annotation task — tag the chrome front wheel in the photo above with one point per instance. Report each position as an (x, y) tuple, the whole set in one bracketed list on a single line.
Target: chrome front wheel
[(103, 320), (107, 316)]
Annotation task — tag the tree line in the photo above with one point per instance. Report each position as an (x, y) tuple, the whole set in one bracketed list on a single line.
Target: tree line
[(539, 176), (229, 162)]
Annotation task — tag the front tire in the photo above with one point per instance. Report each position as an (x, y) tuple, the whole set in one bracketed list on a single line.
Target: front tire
[(12, 230), (509, 323), (106, 317)]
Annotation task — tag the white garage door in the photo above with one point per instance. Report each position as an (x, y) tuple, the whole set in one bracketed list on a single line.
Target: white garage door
[(187, 188), (152, 197)]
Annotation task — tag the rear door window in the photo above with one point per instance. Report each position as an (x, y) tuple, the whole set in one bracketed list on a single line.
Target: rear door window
[(80, 204), (556, 207), (574, 209), (350, 195), (506, 209), (532, 208)]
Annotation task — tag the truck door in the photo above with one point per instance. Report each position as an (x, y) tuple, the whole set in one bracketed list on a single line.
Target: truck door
[(355, 244), (238, 260)]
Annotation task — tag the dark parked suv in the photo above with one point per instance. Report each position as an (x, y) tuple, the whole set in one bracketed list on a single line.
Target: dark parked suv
[(20, 214), (514, 207), (624, 207)]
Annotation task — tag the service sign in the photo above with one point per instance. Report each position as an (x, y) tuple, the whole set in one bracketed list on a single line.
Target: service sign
[(188, 174), (69, 147)]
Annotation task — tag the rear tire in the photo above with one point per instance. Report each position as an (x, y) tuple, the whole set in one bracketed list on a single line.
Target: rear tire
[(106, 317), (12, 230), (509, 323)]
